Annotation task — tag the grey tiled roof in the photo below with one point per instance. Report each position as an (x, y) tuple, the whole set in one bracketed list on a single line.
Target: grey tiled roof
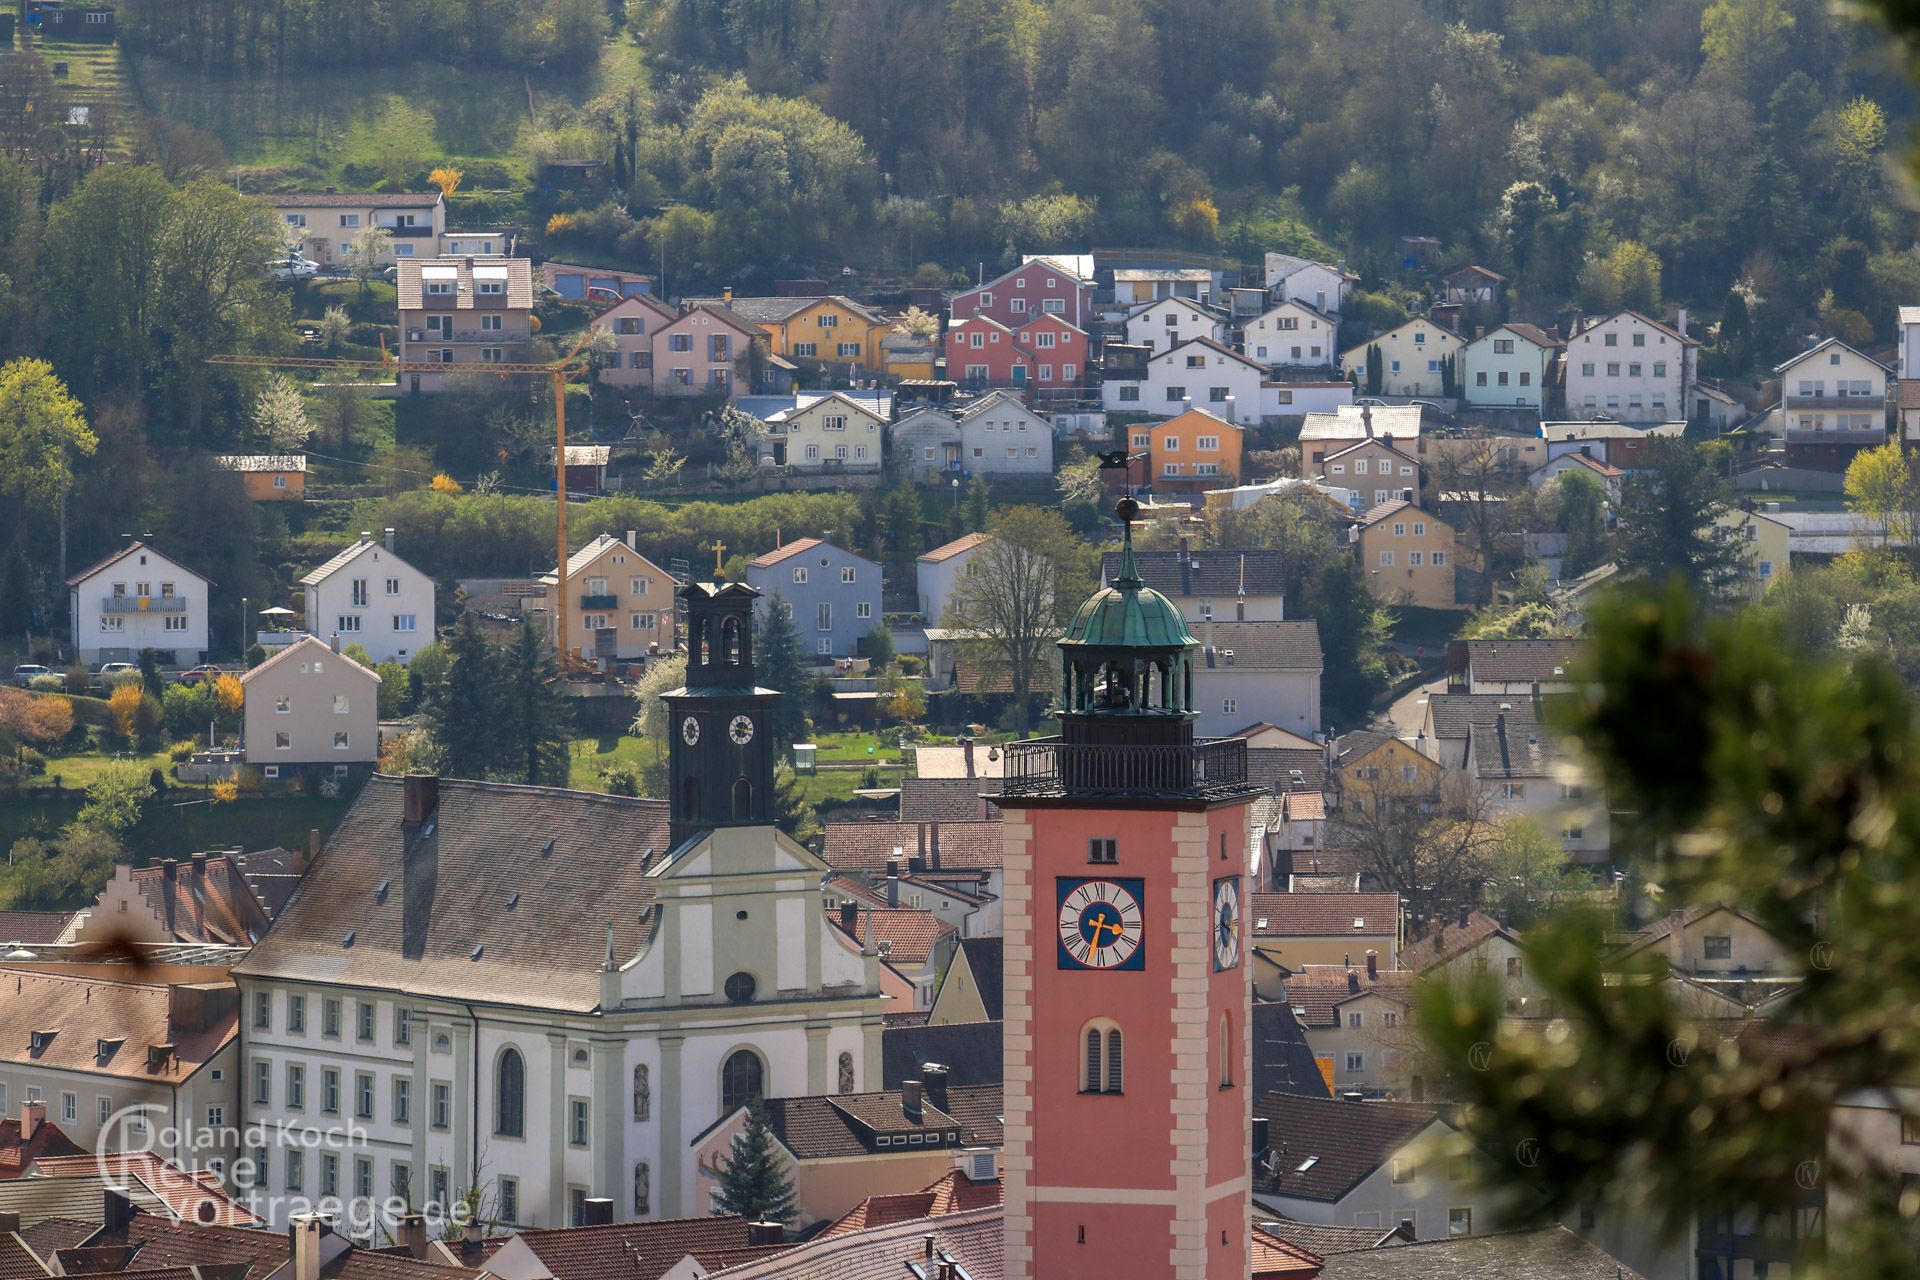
[(1204, 573), (1546, 1253), (947, 799), (1262, 646), (428, 909), (1338, 1142), (970, 1051)]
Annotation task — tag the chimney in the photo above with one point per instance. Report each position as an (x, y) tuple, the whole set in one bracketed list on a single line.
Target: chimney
[(596, 1211), (966, 753), (726, 295), (1464, 913), (910, 1099), (470, 1233), (1354, 1095), (761, 1235), (31, 1115), (633, 539), (1373, 966), (334, 642), (422, 797), (411, 1235), (170, 870), (1680, 322), (303, 1242), (389, 538), (933, 845), (921, 832), (933, 1077), (118, 1213), (366, 535), (1259, 1136), (199, 866), (850, 918), (1353, 981), (926, 1245), (893, 882), (313, 848), (9, 1222)]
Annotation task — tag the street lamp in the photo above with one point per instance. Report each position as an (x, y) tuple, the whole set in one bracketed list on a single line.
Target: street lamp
[(955, 482), (243, 628)]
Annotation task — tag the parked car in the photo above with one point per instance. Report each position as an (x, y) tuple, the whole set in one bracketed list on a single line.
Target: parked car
[(194, 675), (112, 673), (600, 293), (24, 673), (294, 266)]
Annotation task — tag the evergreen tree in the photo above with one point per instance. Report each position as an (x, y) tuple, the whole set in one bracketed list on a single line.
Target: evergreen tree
[(1376, 370), (462, 708), (979, 503), (1583, 518), (1668, 518), (16, 593), (793, 813), (534, 717), (778, 665), (755, 1184), (150, 678)]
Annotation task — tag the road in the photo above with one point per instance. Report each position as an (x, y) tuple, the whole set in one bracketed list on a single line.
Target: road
[(1410, 709)]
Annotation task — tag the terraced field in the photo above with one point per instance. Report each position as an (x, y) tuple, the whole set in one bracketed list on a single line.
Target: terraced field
[(95, 79)]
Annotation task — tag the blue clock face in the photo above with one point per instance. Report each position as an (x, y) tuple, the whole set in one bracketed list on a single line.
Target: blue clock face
[(1101, 924)]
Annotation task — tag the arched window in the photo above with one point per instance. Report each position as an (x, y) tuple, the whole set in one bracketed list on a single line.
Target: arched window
[(730, 642), (742, 800), (740, 1081), (1226, 1051), (510, 1095), (1100, 1069)]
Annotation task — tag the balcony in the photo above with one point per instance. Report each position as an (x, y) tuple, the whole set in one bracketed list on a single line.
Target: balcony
[(1864, 403), (407, 233), (143, 604), (1052, 768), (1837, 435), (599, 602)]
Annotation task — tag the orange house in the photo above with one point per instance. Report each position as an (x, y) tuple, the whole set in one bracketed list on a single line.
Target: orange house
[(268, 477), (1193, 451)]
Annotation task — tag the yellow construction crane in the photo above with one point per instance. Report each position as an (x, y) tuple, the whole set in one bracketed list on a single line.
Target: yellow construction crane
[(559, 371)]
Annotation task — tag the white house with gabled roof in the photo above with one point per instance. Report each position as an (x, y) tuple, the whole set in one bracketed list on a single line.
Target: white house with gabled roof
[(138, 598), (367, 595), (1168, 322), (831, 433), (310, 707), (1631, 369), (1508, 366), (1293, 332), (1322, 284), (1198, 374), (1000, 436)]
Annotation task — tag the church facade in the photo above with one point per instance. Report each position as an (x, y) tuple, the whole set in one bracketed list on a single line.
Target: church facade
[(543, 995)]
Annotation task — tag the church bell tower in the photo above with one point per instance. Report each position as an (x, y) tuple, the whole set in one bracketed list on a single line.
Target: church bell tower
[(1128, 1107), (720, 763)]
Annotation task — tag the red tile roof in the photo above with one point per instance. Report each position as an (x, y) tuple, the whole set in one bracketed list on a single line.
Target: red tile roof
[(954, 1193), (907, 936), (1273, 1256), (206, 899), (780, 553), (1360, 916), (1317, 993), (640, 1250), (947, 551), (17, 1159), (194, 1196), (83, 1012), (973, 1239), (1443, 942)]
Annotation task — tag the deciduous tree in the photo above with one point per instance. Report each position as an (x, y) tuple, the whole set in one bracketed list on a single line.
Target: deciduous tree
[(1009, 602)]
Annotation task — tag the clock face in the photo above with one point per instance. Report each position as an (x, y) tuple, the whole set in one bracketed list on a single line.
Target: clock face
[(740, 729), (690, 731), (1101, 924), (1226, 923)]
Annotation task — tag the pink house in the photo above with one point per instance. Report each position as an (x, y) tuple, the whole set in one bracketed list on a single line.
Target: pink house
[(1046, 353), (701, 351), (633, 322), (1036, 288)]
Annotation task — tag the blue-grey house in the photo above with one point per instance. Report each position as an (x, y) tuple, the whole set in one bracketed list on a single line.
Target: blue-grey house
[(833, 596)]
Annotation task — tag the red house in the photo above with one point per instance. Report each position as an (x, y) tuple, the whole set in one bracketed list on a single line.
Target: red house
[(1047, 353), (1036, 288)]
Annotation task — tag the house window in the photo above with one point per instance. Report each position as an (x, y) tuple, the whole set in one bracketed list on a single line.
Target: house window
[(297, 1015), (1514, 790), (864, 609), (296, 1169), (1104, 850), (1358, 1062), (363, 1095), (283, 742), (681, 342), (1356, 1019), (577, 1122), (805, 350), (330, 1090), (363, 1177), (848, 350), (742, 1080), (1101, 1067), (263, 1012), (800, 574), (510, 1199), (262, 1083), (340, 741), (296, 1086), (1437, 557), (70, 1107), (1176, 394), (823, 618), (1460, 1222), (1719, 947), (1129, 394), (846, 573), (348, 622), (510, 1095)]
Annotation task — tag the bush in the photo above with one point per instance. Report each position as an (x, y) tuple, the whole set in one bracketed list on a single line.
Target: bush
[(621, 779), (181, 752), (911, 664), (79, 681), (49, 683)]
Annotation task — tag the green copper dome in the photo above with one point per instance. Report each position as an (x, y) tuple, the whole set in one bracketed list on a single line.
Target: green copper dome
[(1128, 614)]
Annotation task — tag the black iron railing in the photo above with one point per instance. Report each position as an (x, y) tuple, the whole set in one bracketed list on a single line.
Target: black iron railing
[(1050, 767)]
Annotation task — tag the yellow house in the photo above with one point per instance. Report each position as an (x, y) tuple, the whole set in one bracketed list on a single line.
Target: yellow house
[(1407, 555), (1766, 548), (1367, 762), (619, 603), (817, 331), (268, 477)]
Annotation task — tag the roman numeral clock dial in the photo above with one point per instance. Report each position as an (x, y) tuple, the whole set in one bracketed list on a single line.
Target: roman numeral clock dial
[(1101, 924)]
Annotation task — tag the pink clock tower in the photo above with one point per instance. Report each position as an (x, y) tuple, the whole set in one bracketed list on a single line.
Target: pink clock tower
[(1128, 1113)]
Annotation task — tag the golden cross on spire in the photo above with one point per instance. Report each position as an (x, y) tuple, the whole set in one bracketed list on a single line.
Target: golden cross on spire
[(719, 549)]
